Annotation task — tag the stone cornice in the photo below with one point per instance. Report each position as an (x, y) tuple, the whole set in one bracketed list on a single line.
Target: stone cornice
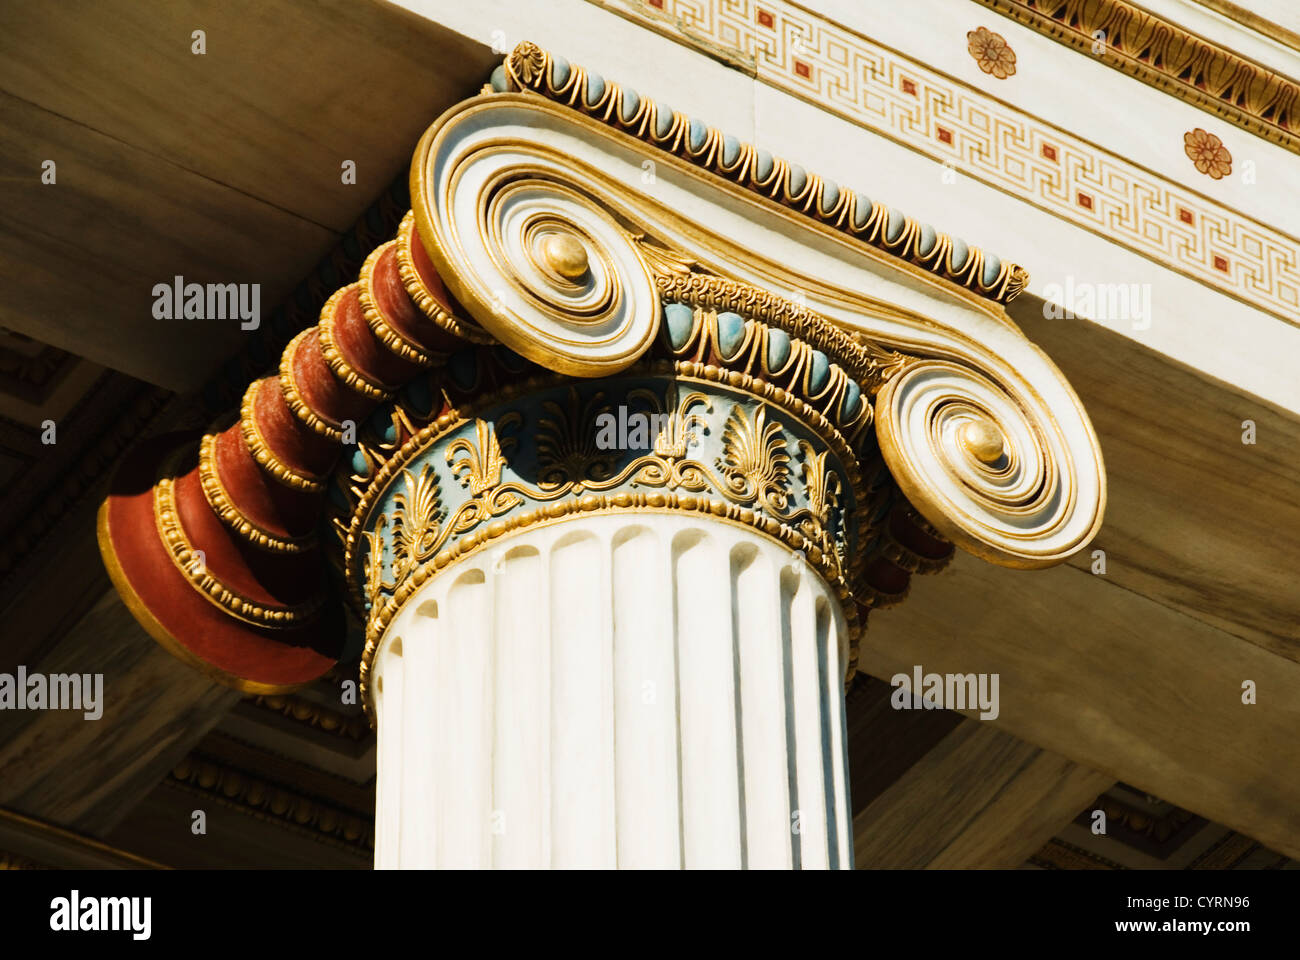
[(529, 67), (841, 68), (1168, 57), (1253, 21), (275, 803)]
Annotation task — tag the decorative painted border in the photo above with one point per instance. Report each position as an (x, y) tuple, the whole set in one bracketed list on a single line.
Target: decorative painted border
[(529, 67), (845, 73), (1165, 56), (722, 445)]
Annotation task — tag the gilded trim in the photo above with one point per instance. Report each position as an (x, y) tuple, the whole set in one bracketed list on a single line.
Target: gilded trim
[(922, 524), (193, 569), (685, 372), (293, 397), (854, 77), (904, 557), (389, 336), (257, 446), (867, 362), (421, 295), (161, 635), (595, 504), (1169, 58), (222, 505), (531, 68), (349, 376)]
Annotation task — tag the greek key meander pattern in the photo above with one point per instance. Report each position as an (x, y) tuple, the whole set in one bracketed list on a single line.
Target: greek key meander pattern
[(845, 73)]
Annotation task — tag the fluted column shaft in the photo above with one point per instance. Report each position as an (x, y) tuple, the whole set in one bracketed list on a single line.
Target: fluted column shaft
[(622, 690)]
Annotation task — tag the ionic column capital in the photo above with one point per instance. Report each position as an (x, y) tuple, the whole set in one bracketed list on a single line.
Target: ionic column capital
[(816, 367)]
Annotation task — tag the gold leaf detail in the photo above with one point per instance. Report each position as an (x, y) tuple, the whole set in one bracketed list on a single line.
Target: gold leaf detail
[(482, 463), (416, 521), (527, 63), (374, 562), (754, 460)]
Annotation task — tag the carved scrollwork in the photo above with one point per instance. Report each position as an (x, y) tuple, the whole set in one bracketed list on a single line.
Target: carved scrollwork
[(678, 426), (870, 364), (534, 254), (990, 467), (480, 467), (824, 486), (738, 454), (539, 235)]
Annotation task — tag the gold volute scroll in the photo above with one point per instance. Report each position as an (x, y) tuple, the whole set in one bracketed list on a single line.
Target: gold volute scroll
[(529, 208), (532, 251), (988, 467)]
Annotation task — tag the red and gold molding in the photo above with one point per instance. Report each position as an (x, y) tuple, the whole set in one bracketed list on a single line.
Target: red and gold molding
[(211, 540)]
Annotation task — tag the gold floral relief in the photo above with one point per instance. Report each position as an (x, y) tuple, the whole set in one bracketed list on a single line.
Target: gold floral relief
[(480, 468), (823, 487), (374, 560), (680, 430), (416, 521), (566, 442), (754, 460), (1207, 153), (991, 52)]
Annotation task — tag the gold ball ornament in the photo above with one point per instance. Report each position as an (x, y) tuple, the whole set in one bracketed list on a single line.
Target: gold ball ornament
[(565, 255), (983, 440)]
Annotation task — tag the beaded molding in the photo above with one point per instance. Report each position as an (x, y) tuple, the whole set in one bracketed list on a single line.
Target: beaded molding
[(423, 297), (385, 333), (219, 500), (261, 452), (529, 67), (191, 566)]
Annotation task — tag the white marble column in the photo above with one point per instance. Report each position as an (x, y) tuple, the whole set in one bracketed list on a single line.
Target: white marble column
[(624, 690)]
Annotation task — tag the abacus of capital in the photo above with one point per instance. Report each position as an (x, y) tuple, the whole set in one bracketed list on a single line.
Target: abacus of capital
[(585, 655)]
